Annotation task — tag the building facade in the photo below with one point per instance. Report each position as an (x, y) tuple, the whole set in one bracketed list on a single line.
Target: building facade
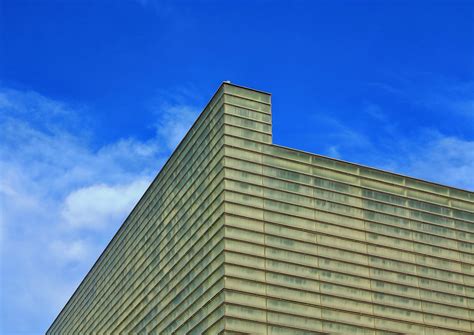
[(238, 235)]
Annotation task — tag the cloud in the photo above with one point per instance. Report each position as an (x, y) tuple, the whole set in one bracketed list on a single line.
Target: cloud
[(174, 123), (431, 91), (336, 138), (390, 134), (340, 132), (62, 198), (74, 251), (96, 206), (453, 97), (425, 153), (375, 111), (444, 159)]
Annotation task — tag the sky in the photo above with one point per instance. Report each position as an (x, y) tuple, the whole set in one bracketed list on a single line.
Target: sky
[(95, 95)]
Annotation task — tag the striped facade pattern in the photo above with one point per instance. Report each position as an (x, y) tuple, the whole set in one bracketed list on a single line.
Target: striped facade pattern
[(237, 235)]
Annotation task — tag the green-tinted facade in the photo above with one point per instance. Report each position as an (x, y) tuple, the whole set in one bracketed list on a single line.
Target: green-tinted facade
[(237, 235)]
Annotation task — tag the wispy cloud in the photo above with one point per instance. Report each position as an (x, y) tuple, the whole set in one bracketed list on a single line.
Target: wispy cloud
[(425, 152), (375, 111), (445, 159), (449, 96), (62, 198), (418, 124), (338, 134), (431, 91), (174, 123), (95, 206)]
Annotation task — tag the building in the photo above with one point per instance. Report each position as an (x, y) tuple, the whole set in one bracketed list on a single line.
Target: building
[(238, 235)]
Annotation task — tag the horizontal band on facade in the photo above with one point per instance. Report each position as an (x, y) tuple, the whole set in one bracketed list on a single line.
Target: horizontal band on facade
[(364, 220), (356, 326), (368, 266), (361, 220), (469, 300), (343, 297), (361, 187), (264, 144), (343, 204), (381, 257), (348, 194)]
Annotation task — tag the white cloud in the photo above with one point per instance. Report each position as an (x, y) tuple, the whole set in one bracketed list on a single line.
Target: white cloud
[(98, 205), (174, 123), (443, 159), (62, 198), (426, 154), (333, 151), (70, 251)]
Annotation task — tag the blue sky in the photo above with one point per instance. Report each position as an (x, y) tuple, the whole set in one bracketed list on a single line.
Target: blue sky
[(94, 96)]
